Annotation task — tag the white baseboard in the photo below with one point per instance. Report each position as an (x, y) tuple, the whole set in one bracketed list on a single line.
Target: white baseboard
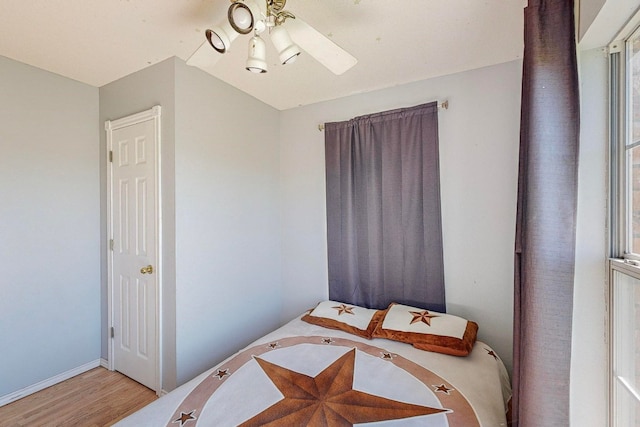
[(12, 397), (104, 363)]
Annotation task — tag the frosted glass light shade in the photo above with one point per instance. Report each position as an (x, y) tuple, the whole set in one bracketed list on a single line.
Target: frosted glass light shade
[(221, 37), (242, 18), (256, 62), (288, 51), (243, 15)]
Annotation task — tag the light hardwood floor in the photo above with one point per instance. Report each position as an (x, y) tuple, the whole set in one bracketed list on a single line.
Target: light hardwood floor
[(95, 398)]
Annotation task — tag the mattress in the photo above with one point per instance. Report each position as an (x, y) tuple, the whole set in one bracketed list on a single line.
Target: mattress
[(304, 374)]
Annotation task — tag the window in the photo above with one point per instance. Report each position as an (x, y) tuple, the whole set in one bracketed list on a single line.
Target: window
[(625, 147), (625, 360), (624, 225), (632, 145)]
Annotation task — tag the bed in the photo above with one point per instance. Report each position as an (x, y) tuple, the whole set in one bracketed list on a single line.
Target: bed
[(336, 372)]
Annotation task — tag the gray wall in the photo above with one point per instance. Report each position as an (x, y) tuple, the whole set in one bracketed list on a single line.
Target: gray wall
[(49, 225), (479, 137), (589, 346), (220, 189), (132, 94), (601, 20), (588, 10), (227, 220)]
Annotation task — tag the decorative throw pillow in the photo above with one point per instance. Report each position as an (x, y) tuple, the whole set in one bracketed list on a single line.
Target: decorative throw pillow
[(427, 330), (350, 318)]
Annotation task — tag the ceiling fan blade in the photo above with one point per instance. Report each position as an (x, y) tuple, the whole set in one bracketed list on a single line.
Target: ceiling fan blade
[(319, 46), (205, 57)]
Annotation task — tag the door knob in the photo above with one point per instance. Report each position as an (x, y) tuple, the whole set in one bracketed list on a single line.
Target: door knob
[(147, 269)]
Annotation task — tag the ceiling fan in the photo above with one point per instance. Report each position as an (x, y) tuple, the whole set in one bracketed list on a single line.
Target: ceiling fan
[(288, 34)]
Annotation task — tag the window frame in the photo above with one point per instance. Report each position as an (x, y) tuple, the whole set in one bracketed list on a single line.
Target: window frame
[(620, 131), (620, 219)]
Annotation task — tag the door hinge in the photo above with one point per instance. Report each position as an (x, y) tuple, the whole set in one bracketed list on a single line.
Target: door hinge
[(111, 244), (112, 332), (111, 156)]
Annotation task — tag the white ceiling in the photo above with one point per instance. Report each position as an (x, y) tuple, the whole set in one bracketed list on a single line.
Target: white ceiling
[(395, 42)]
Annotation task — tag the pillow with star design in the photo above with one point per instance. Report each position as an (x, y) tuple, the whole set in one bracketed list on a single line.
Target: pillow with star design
[(355, 320), (427, 330)]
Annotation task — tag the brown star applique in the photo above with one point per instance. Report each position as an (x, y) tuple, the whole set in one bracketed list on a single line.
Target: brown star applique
[(274, 345), (492, 353), (328, 399), (387, 356), (442, 389), (344, 309), (421, 316), (221, 374), (327, 340), (184, 418)]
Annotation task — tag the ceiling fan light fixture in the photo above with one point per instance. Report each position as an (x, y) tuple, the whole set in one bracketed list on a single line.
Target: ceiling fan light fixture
[(243, 15), (288, 51), (221, 37), (289, 34), (257, 60)]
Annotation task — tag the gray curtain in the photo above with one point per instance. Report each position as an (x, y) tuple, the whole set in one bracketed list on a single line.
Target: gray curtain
[(545, 229), (383, 209)]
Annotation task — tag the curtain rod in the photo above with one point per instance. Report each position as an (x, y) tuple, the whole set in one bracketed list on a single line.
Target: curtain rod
[(444, 105)]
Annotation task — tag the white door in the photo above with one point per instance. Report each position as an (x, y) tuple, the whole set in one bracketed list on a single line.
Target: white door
[(134, 144)]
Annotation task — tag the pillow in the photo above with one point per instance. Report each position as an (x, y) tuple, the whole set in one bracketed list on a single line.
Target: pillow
[(356, 320), (427, 330)]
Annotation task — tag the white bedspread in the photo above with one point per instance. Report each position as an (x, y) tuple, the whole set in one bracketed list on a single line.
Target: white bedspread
[(307, 372)]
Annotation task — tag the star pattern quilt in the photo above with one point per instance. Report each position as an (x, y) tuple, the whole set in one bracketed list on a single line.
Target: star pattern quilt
[(303, 374)]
